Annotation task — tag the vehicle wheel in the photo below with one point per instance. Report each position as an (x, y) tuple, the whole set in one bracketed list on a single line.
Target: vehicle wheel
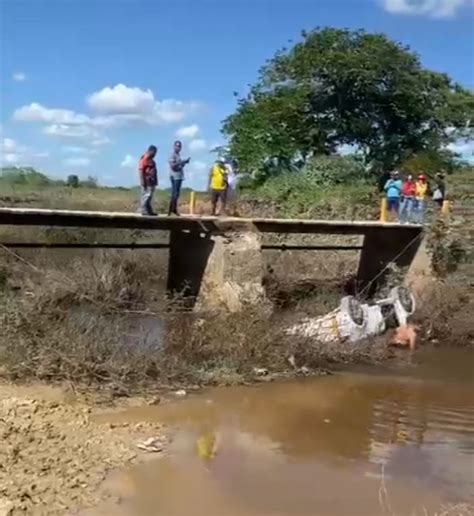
[(351, 306), (405, 298)]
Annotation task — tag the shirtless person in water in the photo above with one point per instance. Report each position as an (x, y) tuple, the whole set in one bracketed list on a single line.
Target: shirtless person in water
[(405, 335)]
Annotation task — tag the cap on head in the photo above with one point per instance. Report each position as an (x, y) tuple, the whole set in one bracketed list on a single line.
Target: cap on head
[(421, 177), (394, 173), (152, 149), (410, 177)]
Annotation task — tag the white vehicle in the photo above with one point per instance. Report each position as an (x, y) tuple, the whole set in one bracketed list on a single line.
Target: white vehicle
[(354, 321)]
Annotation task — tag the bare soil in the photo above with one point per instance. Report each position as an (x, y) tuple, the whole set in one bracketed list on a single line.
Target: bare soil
[(53, 456)]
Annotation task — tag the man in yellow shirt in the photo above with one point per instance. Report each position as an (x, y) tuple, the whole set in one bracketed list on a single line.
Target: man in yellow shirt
[(218, 186)]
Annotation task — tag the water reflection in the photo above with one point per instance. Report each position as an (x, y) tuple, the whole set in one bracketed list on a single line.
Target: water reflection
[(313, 447)]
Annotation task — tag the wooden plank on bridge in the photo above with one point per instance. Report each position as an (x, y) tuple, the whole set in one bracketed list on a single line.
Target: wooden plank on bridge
[(205, 224)]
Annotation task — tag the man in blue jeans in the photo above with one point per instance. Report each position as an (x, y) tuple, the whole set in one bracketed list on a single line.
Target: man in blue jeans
[(393, 190), (176, 175)]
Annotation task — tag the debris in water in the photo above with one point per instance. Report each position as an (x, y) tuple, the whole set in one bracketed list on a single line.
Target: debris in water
[(181, 393), (260, 371), (207, 446), (156, 400), (152, 445)]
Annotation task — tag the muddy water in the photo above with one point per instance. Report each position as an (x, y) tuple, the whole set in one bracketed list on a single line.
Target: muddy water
[(397, 442)]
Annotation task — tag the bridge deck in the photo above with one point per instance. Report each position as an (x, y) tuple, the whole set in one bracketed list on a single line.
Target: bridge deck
[(206, 224)]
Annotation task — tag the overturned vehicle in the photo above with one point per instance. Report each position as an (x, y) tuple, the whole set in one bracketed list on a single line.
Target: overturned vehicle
[(353, 321)]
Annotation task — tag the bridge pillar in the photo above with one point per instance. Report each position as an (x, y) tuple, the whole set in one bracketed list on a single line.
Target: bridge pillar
[(216, 271), (381, 247)]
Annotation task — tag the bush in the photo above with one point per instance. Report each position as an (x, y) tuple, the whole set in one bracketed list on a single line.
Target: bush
[(24, 177), (73, 181), (331, 170), (326, 187)]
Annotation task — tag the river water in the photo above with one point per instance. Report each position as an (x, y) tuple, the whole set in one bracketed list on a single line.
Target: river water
[(398, 441)]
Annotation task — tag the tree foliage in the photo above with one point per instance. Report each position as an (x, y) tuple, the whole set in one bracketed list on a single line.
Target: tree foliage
[(73, 181), (26, 176), (339, 87)]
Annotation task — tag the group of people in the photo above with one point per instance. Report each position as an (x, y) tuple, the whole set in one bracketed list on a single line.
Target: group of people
[(407, 199), (222, 181), (149, 178)]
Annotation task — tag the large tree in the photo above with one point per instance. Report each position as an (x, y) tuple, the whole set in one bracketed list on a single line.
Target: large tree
[(340, 87)]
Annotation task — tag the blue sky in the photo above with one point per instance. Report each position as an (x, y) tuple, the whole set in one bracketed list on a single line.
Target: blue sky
[(87, 85)]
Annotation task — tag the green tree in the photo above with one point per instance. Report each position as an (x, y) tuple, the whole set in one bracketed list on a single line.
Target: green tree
[(73, 181), (90, 182), (340, 87), (26, 176)]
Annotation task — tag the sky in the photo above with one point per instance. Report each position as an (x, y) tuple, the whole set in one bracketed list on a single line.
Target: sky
[(87, 85)]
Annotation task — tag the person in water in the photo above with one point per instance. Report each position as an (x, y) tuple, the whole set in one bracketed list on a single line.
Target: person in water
[(148, 180), (218, 186), (393, 190), (176, 176)]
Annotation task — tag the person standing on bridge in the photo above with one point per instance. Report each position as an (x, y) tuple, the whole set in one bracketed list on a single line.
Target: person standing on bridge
[(218, 186), (177, 176), (393, 190), (421, 193), (408, 201), (148, 180), (232, 180)]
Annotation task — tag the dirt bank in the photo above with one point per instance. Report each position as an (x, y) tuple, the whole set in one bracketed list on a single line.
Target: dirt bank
[(53, 457)]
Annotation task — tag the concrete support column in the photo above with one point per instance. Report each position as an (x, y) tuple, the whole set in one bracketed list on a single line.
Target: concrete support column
[(217, 272), (381, 247)]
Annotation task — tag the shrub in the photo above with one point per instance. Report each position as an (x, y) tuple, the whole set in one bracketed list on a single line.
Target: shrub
[(73, 181)]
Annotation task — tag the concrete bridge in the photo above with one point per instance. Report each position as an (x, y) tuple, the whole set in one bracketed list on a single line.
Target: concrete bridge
[(223, 255)]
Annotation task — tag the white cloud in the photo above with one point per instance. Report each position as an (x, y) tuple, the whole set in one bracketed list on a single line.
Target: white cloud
[(74, 149), (433, 8), (19, 76), (69, 131), (12, 153), (112, 107), (102, 140), (197, 144), (128, 161), (9, 145), (10, 158), (189, 131), (35, 112), (77, 162), (121, 104), (121, 99), (198, 166)]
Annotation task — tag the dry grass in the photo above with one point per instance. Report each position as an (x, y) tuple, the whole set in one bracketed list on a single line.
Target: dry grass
[(105, 321)]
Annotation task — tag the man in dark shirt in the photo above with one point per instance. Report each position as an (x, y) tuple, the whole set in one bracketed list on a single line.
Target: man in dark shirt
[(148, 180), (176, 175)]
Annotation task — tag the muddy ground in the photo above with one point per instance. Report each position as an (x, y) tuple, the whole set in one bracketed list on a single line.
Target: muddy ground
[(53, 456)]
